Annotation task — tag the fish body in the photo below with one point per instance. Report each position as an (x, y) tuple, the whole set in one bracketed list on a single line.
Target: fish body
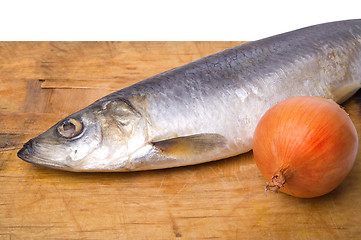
[(207, 109)]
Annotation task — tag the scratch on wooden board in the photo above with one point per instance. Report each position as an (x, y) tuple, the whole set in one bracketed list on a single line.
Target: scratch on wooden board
[(219, 173), (183, 187), (10, 141), (2, 165), (36, 99), (68, 209), (179, 191), (160, 187), (5, 236), (174, 226), (336, 226), (122, 215), (236, 177), (99, 83)]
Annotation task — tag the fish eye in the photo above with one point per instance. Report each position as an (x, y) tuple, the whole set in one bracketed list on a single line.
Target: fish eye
[(70, 128)]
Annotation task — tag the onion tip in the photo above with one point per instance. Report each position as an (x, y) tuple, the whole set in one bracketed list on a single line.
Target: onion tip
[(277, 181)]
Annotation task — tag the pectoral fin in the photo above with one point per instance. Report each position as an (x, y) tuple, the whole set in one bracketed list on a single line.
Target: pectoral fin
[(191, 147)]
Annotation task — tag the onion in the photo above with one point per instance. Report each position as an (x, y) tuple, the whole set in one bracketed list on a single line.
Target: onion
[(305, 146)]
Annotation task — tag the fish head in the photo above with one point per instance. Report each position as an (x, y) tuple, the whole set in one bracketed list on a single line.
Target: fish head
[(100, 137)]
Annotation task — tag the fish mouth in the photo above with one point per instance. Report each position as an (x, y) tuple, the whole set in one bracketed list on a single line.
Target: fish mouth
[(29, 154)]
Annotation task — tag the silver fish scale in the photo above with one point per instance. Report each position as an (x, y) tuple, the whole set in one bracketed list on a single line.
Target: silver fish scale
[(243, 82)]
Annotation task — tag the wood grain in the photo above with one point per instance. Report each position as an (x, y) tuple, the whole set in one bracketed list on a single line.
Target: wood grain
[(42, 82)]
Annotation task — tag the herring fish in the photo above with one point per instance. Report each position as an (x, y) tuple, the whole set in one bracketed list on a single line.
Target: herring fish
[(205, 110)]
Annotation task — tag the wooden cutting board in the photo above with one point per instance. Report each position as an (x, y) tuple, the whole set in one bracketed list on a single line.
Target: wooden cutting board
[(42, 82)]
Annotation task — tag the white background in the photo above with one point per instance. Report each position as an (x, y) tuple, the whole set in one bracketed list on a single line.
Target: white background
[(165, 20)]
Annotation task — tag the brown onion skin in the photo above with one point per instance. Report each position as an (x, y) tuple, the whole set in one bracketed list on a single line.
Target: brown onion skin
[(310, 140)]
